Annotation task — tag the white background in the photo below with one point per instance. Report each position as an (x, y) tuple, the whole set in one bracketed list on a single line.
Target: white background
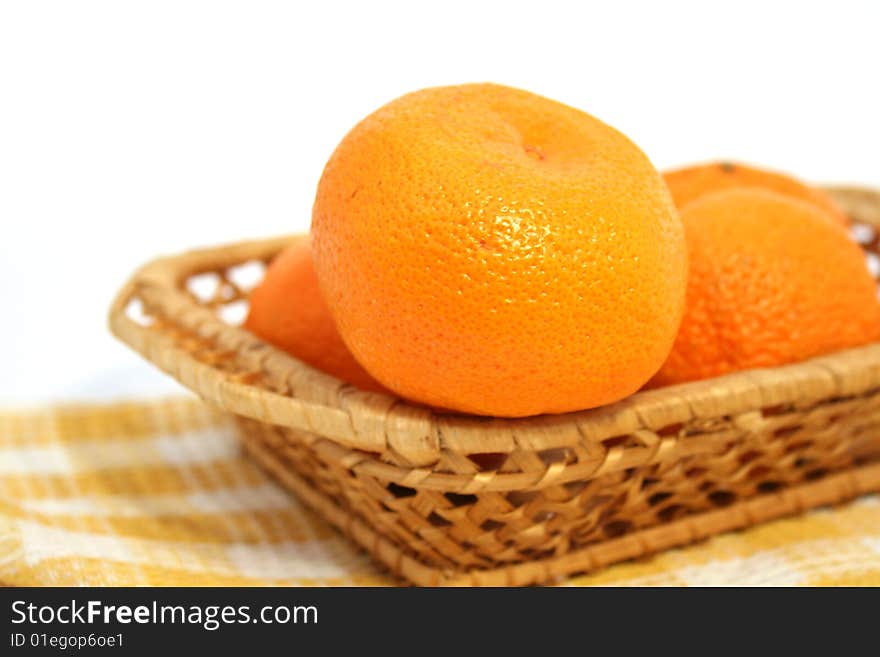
[(130, 129)]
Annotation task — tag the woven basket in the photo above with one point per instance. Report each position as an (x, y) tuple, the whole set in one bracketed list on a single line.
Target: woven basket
[(443, 499)]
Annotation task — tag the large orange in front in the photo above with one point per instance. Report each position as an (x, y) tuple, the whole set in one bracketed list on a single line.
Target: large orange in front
[(487, 250)]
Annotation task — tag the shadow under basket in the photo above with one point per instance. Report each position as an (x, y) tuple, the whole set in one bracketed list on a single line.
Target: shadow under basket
[(462, 500)]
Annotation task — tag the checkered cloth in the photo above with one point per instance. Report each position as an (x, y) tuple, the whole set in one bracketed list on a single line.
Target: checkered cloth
[(159, 493)]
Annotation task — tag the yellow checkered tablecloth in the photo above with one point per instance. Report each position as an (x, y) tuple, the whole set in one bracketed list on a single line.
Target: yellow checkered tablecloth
[(159, 493)]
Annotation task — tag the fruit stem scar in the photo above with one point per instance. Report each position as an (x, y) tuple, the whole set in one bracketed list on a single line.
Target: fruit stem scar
[(534, 152)]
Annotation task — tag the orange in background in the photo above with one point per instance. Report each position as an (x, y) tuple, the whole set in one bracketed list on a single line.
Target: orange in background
[(691, 183), (771, 282), (287, 311), (490, 251)]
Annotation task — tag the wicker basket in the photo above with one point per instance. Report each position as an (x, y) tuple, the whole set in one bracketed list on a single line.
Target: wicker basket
[(442, 499)]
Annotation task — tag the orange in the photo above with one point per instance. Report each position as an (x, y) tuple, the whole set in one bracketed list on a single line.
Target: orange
[(691, 183), (772, 281), (490, 251), (287, 310)]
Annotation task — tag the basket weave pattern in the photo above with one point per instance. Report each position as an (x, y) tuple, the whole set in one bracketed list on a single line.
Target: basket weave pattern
[(443, 499)]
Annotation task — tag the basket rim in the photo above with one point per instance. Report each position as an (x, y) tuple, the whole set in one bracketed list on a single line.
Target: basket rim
[(326, 407)]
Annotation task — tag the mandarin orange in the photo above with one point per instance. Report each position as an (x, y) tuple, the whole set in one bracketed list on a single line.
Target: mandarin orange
[(288, 311), (772, 281), (690, 183), (487, 250)]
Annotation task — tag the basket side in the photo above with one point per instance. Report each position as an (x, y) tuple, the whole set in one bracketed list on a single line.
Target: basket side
[(407, 561)]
